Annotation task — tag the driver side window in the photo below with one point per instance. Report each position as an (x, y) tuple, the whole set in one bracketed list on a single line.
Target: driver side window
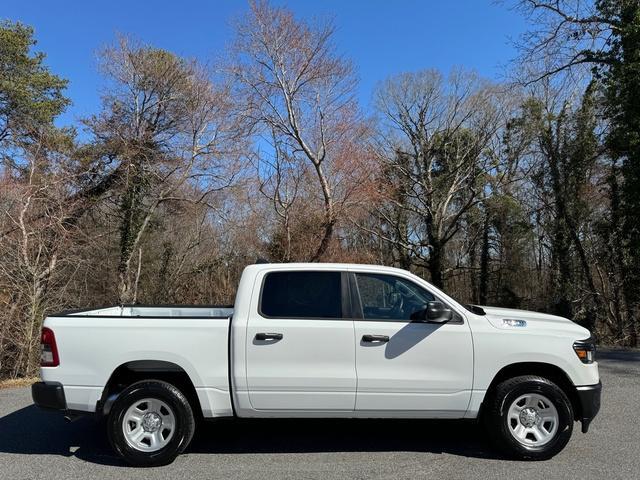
[(385, 297)]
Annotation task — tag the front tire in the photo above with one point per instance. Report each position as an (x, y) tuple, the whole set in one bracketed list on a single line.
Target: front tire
[(150, 423), (529, 418)]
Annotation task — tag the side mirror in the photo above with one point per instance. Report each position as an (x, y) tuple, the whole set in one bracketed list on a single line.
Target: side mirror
[(434, 312)]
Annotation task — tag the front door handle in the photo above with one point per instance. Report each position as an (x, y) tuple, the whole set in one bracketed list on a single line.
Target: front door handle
[(375, 338), (268, 336)]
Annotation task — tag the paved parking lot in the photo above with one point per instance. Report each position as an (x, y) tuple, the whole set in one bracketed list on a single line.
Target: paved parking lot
[(36, 444)]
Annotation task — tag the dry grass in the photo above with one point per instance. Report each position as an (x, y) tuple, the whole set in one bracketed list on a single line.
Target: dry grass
[(18, 382)]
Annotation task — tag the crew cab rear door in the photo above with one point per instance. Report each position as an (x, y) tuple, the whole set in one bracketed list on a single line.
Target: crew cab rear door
[(300, 355), (405, 365)]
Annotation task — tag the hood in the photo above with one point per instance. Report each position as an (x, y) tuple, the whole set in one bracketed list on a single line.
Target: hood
[(513, 319)]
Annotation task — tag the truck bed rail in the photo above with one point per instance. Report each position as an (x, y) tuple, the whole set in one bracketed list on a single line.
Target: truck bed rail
[(153, 311)]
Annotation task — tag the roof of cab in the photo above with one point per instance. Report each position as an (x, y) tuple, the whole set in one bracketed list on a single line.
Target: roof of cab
[(324, 266)]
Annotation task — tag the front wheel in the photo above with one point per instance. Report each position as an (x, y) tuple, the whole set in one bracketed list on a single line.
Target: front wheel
[(150, 423), (529, 417)]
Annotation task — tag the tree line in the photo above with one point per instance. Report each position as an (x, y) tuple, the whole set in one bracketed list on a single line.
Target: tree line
[(523, 193)]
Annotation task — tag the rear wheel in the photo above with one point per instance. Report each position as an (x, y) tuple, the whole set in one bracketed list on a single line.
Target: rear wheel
[(150, 423), (529, 417)]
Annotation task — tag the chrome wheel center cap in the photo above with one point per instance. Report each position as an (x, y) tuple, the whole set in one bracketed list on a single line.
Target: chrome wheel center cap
[(151, 422), (529, 417)]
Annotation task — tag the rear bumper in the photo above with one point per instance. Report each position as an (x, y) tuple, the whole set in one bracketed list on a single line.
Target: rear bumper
[(49, 395), (589, 398)]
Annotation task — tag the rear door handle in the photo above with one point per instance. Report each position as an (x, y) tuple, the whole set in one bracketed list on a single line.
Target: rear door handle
[(375, 338), (268, 336)]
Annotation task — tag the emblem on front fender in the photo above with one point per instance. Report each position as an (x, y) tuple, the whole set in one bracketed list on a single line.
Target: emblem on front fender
[(511, 322)]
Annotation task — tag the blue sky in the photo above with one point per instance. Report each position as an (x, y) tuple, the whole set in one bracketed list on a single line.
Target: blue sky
[(382, 37)]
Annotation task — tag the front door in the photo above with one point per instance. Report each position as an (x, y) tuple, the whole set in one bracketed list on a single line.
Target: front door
[(300, 354), (422, 369)]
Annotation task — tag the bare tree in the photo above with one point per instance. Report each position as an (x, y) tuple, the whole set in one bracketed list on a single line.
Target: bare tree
[(33, 208), (567, 37), (297, 86), (279, 181), (434, 162), (166, 125)]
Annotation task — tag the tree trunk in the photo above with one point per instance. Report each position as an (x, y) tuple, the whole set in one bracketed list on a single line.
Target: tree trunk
[(562, 258), (561, 241), (129, 229), (329, 215), (436, 257)]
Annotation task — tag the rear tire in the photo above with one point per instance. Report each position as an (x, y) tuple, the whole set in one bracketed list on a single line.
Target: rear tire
[(529, 418), (150, 423)]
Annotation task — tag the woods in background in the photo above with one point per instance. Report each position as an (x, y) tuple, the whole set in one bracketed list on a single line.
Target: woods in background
[(520, 194)]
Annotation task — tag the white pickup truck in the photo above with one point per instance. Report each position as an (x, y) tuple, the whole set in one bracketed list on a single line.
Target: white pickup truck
[(320, 340)]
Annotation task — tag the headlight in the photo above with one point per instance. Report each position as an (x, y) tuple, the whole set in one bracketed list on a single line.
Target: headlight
[(585, 349)]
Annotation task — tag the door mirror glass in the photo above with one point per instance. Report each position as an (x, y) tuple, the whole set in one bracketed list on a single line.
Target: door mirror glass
[(435, 312)]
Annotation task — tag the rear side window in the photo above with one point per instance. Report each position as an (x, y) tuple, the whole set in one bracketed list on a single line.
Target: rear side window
[(301, 295)]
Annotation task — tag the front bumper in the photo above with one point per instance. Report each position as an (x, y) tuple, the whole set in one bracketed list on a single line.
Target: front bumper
[(49, 395), (589, 398)]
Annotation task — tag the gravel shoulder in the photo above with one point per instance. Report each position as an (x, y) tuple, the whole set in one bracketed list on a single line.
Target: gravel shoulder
[(36, 444)]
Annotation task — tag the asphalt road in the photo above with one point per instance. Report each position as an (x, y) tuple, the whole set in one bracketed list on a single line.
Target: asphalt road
[(36, 444)]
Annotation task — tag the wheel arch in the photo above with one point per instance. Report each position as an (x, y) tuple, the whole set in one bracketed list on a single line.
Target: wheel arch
[(134, 371), (546, 370)]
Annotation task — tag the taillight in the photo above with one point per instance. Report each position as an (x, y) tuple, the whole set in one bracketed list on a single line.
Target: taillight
[(48, 349)]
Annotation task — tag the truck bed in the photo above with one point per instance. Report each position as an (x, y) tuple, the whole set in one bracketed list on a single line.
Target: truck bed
[(94, 343)]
